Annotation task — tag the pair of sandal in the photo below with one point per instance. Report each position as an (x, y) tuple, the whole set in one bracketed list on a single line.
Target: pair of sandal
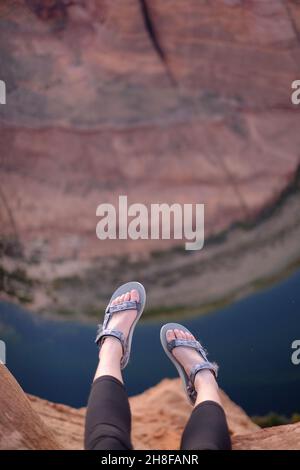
[(104, 331)]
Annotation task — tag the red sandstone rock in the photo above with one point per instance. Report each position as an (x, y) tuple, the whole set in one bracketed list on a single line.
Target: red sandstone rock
[(159, 415), (21, 428), (195, 107)]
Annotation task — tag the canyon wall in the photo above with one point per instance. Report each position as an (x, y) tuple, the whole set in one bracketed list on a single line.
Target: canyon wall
[(161, 100)]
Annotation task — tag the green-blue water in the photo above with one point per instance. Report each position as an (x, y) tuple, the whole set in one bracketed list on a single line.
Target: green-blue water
[(250, 339)]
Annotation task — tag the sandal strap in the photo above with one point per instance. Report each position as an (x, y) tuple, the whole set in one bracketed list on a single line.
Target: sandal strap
[(112, 309), (126, 305), (187, 343), (104, 333), (197, 368), (204, 365)]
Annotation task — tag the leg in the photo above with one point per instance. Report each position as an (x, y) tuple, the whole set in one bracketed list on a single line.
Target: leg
[(207, 427), (108, 419)]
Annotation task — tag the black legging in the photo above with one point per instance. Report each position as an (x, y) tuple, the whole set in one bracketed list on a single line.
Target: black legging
[(108, 421)]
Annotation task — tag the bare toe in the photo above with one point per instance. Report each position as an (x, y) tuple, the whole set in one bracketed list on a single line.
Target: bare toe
[(127, 296), (170, 335), (134, 295)]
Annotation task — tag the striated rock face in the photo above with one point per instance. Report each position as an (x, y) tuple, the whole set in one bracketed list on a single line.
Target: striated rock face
[(21, 428), (159, 416), (160, 100)]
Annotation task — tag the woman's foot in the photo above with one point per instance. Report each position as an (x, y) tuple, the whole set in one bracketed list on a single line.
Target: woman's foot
[(205, 382), (122, 321), (186, 356), (111, 352)]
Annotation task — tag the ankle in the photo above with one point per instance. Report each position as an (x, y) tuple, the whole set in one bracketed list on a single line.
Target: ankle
[(207, 388), (111, 349), (205, 378), (110, 355)]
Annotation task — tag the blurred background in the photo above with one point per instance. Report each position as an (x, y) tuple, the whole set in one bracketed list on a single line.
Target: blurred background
[(163, 101)]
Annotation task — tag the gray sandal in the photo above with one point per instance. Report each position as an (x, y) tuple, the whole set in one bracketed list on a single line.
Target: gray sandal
[(104, 331), (188, 381)]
